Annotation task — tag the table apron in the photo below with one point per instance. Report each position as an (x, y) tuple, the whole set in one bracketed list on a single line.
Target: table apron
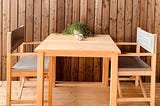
[(109, 55)]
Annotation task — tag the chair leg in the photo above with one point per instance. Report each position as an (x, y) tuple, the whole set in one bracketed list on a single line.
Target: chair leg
[(119, 90), (142, 87), (21, 79), (152, 90), (8, 101), (50, 91), (21, 88), (136, 80), (9, 86), (50, 75)]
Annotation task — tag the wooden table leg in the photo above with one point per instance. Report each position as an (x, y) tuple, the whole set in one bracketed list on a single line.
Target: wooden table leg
[(50, 75), (105, 76), (54, 71), (9, 83), (40, 79), (114, 80)]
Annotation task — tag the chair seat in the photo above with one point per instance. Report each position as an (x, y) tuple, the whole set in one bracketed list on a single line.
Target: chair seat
[(132, 63), (29, 63)]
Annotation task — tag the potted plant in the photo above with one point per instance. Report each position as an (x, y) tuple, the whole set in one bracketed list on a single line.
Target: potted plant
[(78, 29)]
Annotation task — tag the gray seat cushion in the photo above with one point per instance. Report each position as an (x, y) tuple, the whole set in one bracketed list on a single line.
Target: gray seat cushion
[(29, 63), (132, 63)]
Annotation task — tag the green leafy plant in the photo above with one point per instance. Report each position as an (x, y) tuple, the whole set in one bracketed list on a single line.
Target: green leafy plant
[(78, 28)]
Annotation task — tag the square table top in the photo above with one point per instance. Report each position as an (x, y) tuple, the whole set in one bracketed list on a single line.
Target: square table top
[(68, 45)]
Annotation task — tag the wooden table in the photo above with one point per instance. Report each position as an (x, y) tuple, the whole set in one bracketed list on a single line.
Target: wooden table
[(67, 45)]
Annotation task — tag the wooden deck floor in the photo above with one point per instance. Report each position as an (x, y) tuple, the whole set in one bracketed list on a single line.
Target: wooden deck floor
[(77, 93)]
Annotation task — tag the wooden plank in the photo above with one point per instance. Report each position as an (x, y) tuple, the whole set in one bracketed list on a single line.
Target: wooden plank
[(45, 19), (13, 23), (143, 15), (120, 21), (29, 22), (1, 40), (75, 60), (5, 26), (135, 18), (97, 69), (59, 69), (89, 69), (113, 19), (83, 11), (105, 16), (76, 14), (90, 22), (91, 15), (151, 12), (68, 21), (81, 73), (68, 12), (37, 20), (60, 16), (74, 69), (53, 16), (128, 22), (60, 27), (67, 68), (21, 12), (82, 60), (157, 31), (98, 16)]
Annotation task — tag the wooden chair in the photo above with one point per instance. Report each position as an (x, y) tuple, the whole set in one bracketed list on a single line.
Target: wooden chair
[(132, 64), (26, 66)]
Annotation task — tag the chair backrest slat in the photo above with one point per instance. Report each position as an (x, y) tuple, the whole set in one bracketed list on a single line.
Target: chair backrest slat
[(146, 40), (16, 38)]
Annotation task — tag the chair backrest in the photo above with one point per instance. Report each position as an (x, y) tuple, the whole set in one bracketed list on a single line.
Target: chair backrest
[(146, 40), (15, 38)]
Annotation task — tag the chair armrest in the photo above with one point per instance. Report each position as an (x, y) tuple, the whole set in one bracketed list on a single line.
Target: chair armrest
[(136, 54), (31, 43), (28, 43), (126, 43), (24, 54)]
